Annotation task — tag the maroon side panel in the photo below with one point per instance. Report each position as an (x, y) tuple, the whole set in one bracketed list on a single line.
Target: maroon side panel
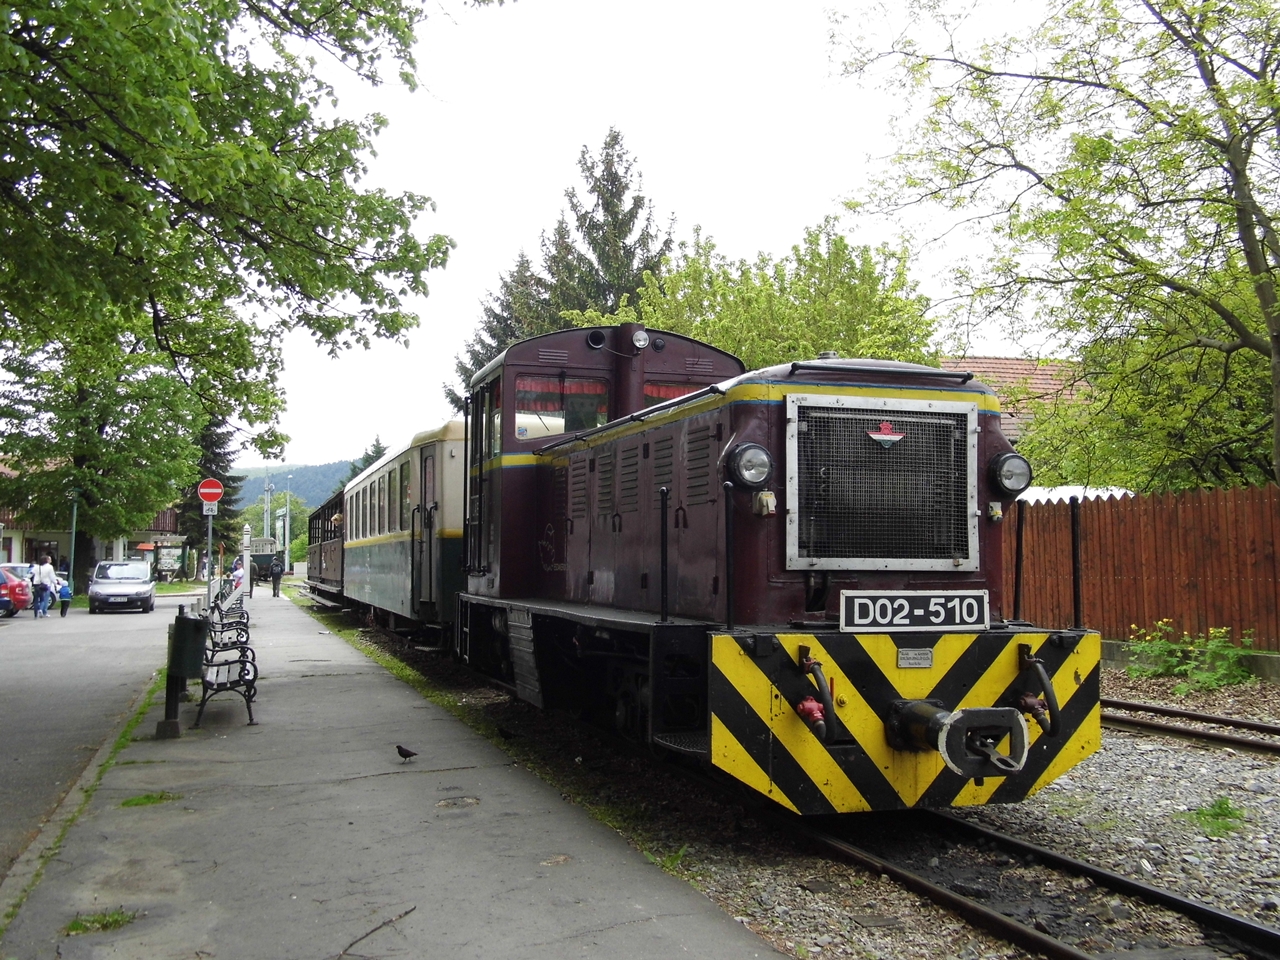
[(561, 530)]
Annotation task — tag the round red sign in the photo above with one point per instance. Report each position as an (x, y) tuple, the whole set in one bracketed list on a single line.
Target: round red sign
[(210, 491)]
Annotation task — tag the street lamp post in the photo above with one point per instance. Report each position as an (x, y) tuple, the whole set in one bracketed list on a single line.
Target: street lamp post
[(71, 568), (266, 508), (288, 488)]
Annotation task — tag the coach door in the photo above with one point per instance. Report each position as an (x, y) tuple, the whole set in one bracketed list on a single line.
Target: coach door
[(426, 551)]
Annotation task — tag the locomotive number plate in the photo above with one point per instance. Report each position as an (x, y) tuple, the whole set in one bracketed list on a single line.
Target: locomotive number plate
[(884, 611)]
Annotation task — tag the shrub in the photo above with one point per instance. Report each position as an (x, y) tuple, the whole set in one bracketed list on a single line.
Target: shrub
[(1205, 663)]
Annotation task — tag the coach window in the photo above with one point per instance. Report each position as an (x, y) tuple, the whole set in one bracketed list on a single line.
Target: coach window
[(364, 512), (382, 506), (406, 516), (349, 527), (393, 503), (661, 392), (546, 406)]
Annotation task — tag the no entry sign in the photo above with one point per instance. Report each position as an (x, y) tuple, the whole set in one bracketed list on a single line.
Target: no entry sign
[(210, 491)]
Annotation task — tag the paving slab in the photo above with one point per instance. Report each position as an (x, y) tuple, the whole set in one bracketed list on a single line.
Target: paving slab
[(306, 836)]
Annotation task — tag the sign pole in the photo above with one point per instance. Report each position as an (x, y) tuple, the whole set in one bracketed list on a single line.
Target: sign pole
[(210, 492), (208, 572)]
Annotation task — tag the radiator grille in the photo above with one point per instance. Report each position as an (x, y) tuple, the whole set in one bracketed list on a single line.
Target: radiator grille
[(875, 486)]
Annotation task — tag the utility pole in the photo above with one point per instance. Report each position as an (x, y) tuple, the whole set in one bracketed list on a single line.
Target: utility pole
[(288, 490), (266, 506)]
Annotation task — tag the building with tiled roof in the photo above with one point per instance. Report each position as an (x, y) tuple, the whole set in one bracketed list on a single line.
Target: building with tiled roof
[(1019, 382)]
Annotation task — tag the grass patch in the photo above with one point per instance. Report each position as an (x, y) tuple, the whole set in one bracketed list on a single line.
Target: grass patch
[(1218, 819), (181, 586), (121, 742), (98, 922), (670, 861), (150, 799)]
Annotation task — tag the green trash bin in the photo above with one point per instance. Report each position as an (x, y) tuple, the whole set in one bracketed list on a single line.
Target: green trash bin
[(187, 641)]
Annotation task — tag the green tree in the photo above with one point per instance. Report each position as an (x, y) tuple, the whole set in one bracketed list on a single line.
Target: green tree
[(1153, 422), (252, 515), (827, 294), (298, 548), (375, 452), (214, 461), (592, 260), (1124, 154), (519, 309), (179, 166), (100, 419)]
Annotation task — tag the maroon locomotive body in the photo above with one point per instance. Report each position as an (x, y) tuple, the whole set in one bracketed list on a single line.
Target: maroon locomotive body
[(793, 573)]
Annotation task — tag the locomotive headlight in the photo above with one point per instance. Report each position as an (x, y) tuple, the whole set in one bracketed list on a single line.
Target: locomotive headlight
[(750, 465), (1011, 473), (640, 339)]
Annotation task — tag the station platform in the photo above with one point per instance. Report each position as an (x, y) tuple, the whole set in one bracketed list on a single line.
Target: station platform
[(307, 837)]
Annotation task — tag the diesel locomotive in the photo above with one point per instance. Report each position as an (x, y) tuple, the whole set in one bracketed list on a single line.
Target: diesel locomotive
[(793, 574)]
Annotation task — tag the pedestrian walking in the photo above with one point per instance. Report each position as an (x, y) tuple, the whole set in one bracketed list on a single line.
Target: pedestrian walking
[(277, 571), (46, 585), (64, 596)]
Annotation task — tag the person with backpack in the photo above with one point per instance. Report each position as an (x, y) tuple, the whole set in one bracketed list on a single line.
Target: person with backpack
[(64, 595), (277, 571)]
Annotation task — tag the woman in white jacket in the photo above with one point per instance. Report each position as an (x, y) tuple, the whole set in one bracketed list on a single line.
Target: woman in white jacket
[(46, 585)]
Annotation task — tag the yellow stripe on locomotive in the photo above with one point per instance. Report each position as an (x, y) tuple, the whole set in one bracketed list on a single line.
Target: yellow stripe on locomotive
[(762, 734)]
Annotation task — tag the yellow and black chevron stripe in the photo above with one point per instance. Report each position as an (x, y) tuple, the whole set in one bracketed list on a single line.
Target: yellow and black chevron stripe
[(757, 737)]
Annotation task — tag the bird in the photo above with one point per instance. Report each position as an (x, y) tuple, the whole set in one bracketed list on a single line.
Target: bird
[(406, 752)]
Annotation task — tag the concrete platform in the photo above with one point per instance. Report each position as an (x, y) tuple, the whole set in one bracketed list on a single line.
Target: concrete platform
[(306, 837)]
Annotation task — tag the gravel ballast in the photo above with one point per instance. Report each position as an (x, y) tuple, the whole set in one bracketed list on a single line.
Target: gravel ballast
[(1129, 808)]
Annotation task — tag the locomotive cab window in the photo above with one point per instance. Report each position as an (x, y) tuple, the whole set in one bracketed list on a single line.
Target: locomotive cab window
[(546, 406), (655, 393)]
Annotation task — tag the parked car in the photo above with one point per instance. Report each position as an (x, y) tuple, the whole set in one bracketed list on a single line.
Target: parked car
[(122, 585), (22, 571), (15, 591)]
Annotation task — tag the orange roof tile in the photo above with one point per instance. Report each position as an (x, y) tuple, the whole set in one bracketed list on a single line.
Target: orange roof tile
[(1017, 380)]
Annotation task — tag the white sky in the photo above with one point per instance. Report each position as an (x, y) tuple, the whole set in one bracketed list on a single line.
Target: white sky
[(733, 111)]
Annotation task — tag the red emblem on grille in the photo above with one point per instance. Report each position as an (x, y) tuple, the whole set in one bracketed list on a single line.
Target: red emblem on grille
[(886, 436)]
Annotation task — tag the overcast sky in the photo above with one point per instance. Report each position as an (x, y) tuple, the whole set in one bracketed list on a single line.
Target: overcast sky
[(735, 115)]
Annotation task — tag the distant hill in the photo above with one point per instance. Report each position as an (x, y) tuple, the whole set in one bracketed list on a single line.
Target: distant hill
[(311, 484)]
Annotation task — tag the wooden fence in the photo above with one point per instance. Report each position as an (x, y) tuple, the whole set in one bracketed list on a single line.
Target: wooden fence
[(1206, 558)]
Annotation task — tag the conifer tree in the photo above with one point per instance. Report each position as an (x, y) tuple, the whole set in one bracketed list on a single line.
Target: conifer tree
[(592, 258), (215, 461)]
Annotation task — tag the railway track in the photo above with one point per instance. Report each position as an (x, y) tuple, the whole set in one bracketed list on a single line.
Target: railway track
[(1077, 906), (1214, 729), (1038, 923)]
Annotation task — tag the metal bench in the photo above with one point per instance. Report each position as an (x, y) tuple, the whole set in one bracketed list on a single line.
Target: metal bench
[(231, 669)]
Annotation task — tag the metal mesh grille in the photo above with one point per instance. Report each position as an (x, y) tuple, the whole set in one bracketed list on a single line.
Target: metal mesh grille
[(859, 497)]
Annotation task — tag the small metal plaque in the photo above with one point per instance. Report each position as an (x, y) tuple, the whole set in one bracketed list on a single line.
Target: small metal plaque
[(909, 657), (210, 509)]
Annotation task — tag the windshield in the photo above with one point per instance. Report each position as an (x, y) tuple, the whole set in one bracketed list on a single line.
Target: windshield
[(122, 571)]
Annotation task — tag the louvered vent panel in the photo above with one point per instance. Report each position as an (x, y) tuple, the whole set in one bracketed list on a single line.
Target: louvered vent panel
[(578, 489), (629, 480), (699, 472), (664, 461), (604, 484), (560, 492)]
